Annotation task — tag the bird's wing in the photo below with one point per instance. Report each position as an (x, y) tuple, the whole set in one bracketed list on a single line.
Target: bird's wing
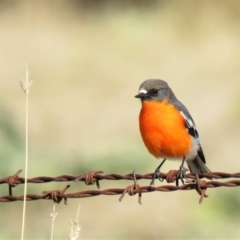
[(192, 130)]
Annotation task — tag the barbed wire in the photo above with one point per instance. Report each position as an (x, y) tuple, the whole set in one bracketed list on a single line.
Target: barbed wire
[(98, 175), (193, 181)]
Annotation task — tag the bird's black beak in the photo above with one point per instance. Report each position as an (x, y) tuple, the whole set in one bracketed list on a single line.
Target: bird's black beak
[(140, 95)]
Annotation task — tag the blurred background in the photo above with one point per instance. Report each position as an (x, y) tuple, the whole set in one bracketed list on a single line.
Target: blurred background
[(87, 60)]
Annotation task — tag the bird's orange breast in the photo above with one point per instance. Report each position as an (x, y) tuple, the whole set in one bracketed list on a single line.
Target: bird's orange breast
[(163, 130)]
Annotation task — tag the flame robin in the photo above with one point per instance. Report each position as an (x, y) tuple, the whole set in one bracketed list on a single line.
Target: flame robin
[(167, 128)]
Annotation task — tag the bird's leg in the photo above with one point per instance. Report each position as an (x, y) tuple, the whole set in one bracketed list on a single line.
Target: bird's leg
[(181, 173), (157, 172)]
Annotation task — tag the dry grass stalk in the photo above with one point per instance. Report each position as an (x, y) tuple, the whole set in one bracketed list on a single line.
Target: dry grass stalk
[(25, 85), (53, 216), (74, 229)]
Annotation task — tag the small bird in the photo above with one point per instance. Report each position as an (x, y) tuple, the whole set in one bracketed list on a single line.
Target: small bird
[(167, 128)]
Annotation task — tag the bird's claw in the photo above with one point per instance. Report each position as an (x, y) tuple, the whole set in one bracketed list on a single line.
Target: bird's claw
[(156, 175), (181, 175)]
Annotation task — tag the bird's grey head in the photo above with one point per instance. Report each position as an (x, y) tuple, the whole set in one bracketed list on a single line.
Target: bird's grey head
[(154, 90)]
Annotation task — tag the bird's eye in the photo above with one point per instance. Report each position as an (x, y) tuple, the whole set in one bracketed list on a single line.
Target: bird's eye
[(154, 91)]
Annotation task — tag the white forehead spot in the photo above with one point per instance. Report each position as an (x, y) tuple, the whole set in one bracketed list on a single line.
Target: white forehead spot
[(142, 90)]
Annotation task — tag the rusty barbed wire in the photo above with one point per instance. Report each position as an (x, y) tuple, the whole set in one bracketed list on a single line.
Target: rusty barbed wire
[(98, 176), (117, 191), (193, 182)]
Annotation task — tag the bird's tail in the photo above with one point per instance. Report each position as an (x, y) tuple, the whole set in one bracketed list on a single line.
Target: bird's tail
[(197, 166)]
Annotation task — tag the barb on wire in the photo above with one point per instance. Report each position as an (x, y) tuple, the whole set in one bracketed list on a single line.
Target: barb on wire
[(200, 186), (90, 178), (12, 181), (130, 190), (54, 195)]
